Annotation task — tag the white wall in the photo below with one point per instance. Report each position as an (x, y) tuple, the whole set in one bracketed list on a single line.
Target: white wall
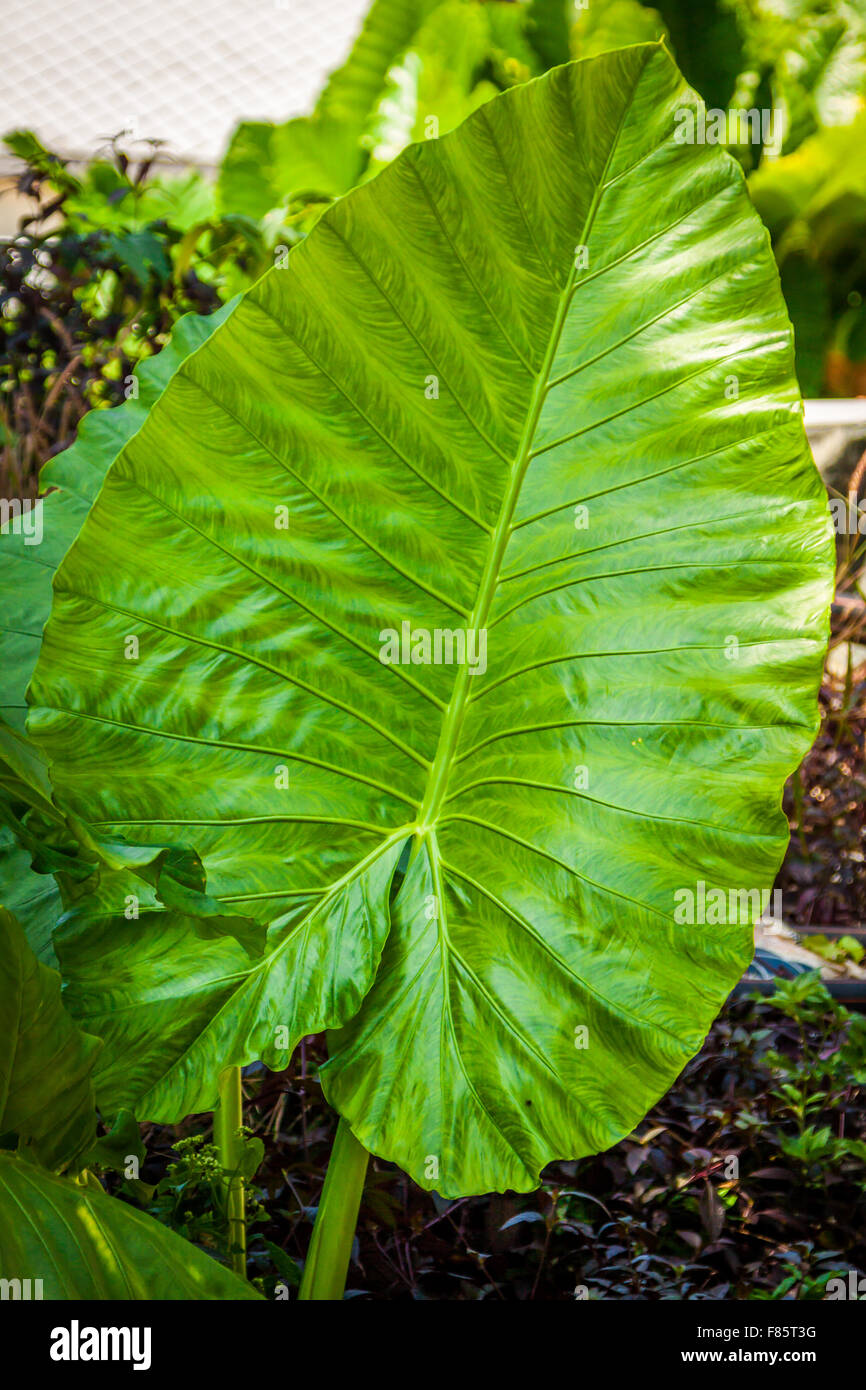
[(78, 71)]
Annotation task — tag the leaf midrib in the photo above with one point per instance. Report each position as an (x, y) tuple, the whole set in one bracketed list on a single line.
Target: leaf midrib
[(440, 769)]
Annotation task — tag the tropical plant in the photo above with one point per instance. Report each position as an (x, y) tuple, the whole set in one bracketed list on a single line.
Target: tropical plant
[(491, 410)]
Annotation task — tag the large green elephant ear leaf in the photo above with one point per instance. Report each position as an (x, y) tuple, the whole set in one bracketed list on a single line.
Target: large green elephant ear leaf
[(46, 1095), (83, 1244), (490, 522)]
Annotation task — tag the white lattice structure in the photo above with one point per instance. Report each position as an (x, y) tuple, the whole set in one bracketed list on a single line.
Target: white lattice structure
[(183, 71)]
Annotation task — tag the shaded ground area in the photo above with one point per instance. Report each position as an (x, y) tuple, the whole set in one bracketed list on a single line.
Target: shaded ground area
[(748, 1180), (823, 877)]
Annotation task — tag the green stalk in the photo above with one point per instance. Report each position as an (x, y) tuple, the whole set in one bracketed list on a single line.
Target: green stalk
[(331, 1246), (227, 1122)]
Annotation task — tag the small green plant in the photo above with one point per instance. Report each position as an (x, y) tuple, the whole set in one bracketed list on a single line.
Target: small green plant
[(829, 1060), (192, 1198)]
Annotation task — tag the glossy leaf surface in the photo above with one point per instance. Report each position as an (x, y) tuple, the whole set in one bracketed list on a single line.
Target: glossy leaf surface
[(534, 381)]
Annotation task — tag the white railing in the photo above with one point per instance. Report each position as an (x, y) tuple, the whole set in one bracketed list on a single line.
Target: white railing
[(849, 413)]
